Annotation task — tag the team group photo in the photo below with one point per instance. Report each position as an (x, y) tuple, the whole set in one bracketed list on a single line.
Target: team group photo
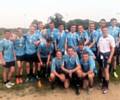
[(79, 56)]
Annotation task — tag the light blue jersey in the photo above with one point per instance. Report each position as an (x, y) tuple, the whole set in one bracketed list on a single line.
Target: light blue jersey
[(89, 65), (94, 37), (83, 36), (30, 47), (38, 33), (52, 34), (71, 62), (7, 47), (99, 31), (72, 40), (114, 31), (60, 41), (57, 64), (44, 50), (19, 46)]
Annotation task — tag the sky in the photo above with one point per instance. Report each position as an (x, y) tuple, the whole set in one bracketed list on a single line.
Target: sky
[(20, 13)]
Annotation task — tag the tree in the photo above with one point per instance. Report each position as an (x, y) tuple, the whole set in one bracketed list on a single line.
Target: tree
[(57, 19)]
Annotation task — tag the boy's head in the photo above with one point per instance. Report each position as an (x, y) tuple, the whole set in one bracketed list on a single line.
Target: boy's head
[(102, 23), (7, 34), (49, 41), (73, 28), (80, 28), (58, 54), (70, 51), (92, 26), (32, 29), (105, 31), (85, 56), (51, 25), (113, 22), (81, 45), (61, 26)]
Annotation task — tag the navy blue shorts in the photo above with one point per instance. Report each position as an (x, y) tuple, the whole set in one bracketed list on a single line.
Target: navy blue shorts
[(20, 58), (10, 64), (103, 58), (31, 57)]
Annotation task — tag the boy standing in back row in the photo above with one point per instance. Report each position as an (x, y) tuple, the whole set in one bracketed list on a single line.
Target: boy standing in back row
[(7, 58)]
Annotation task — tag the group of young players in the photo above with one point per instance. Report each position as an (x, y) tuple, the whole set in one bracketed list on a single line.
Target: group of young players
[(68, 56)]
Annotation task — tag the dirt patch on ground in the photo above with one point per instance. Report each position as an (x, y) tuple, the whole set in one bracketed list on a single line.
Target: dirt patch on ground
[(32, 93)]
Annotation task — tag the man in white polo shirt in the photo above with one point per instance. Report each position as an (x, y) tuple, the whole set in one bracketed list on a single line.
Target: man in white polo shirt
[(106, 47)]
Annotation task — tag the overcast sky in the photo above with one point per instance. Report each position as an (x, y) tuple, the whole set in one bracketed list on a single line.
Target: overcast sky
[(19, 13)]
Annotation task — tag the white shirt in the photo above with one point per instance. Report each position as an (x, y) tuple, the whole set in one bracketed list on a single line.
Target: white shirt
[(105, 43)]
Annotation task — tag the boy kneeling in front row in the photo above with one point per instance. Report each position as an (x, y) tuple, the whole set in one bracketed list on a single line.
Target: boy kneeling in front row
[(56, 71), (88, 66)]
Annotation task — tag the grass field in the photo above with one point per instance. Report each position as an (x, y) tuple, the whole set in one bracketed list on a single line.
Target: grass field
[(30, 91), (25, 85)]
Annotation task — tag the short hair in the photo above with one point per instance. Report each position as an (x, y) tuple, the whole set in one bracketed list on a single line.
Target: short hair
[(85, 53), (58, 50), (51, 22), (102, 20), (61, 24), (81, 43), (70, 47), (91, 22), (40, 22), (6, 30), (49, 40), (104, 27), (113, 19), (73, 25)]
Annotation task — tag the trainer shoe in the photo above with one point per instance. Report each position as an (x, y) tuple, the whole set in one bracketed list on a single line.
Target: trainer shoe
[(8, 86), (115, 74), (77, 91), (27, 79), (17, 81), (105, 91), (11, 83), (20, 80)]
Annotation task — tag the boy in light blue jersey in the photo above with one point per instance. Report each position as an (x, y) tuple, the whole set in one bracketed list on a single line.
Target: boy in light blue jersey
[(72, 38), (32, 41), (114, 30), (44, 53), (7, 59), (72, 69), (52, 32), (42, 32), (93, 38), (88, 66), (83, 35), (19, 46), (61, 39), (56, 71)]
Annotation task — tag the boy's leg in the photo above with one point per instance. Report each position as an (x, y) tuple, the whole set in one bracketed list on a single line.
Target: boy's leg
[(66, 83), (11, 73), (4, 74), (28, 71), (52, 80), (114, 66), (91, 79), (19, 72), (106, 81)]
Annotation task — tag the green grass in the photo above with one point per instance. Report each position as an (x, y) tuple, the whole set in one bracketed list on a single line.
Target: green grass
[(45, 84)]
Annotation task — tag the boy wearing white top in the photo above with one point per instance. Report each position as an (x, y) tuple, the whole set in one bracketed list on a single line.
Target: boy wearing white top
[(106, 47)]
